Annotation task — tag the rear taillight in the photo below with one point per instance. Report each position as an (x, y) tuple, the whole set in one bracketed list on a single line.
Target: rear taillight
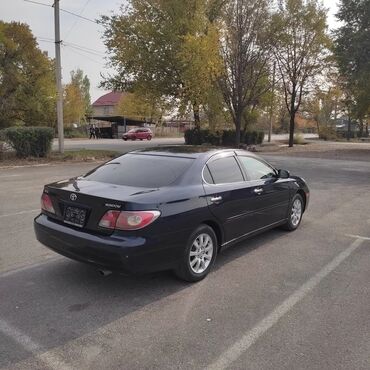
[(46, 203), (126, 220), (109, 220)]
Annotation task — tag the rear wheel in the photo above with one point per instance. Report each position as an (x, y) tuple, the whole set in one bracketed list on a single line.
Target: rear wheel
[(199, 256), (124, 138), (295, 213)]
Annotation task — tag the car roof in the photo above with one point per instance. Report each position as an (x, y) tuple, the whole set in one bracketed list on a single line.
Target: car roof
[(189, 151)]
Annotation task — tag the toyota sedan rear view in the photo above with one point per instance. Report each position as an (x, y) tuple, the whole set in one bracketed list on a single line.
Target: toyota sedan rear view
[(168, 208)]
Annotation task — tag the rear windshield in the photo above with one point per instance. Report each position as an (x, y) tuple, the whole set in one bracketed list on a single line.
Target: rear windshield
[(145, 171)]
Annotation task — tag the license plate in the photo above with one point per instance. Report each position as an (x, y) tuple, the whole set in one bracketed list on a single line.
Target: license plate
[(75, 216)]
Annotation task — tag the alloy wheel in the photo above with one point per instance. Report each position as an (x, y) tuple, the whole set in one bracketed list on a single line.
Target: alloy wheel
[(201, 253), (296, 214)]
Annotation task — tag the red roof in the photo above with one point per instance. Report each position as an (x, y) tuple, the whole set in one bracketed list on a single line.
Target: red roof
[(109, 99)]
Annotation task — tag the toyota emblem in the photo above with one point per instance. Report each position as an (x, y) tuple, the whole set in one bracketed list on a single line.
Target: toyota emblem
[(73, 196)]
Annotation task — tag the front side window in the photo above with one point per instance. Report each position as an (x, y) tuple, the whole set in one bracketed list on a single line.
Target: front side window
[(256, 169), (225, 170)]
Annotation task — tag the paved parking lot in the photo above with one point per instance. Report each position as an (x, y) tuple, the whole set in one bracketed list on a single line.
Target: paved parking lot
[(278, 301)]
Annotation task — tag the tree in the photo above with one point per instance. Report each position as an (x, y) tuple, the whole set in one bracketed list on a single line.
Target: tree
[(82, 82), (352, 49), (168, 48), (325, 102), (246, 51), (140, 106), (27, 87), (301, 45), (77, 103)]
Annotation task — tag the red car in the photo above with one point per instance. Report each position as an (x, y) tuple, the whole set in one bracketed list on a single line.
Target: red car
[(138, 133)]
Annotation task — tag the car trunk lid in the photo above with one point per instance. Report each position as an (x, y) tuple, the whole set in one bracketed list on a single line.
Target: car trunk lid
[(81, 203)]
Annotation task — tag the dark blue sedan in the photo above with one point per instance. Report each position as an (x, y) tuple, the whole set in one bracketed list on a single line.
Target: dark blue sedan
[(168, 208)]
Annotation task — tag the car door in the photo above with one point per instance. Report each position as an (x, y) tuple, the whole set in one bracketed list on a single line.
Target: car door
[(229, 196), (272, 194), (138, 134)]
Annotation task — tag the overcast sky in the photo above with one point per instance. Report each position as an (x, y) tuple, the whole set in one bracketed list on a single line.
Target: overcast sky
[(81, 33)]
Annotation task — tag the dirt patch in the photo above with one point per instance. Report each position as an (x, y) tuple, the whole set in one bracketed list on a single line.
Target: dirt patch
[(9, 159), (319, 149)]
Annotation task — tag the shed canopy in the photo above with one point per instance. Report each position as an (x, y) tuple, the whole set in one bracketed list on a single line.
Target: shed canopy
[(120, 120)]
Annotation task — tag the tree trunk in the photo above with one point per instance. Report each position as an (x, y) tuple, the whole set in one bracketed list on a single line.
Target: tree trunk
[(349, 129), (238, 124), (292, 119), (196, 115), (361, 132), (318, 126), (291, 129)]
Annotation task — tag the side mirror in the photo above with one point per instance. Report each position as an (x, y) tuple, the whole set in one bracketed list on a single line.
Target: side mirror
[(283, 174)]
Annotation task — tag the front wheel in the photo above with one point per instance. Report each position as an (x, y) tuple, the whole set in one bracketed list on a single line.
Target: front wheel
[(295, 213), (200, 255), (149, 138)]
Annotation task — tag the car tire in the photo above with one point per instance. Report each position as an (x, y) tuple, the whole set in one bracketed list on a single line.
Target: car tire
[(200, 255), (124, 138), (149, 138), (296, 209)]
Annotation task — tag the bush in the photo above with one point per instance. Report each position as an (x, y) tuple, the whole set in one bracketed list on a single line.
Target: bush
[(328, 133), (199, 137), (73, 133), (225, 137), (299, 139), (228, 137), (30, 141)]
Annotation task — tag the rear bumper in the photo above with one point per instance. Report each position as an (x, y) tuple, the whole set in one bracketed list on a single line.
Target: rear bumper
[(128, 254)]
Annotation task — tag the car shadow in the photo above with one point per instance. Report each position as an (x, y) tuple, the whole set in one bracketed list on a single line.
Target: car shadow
[(62, 300)]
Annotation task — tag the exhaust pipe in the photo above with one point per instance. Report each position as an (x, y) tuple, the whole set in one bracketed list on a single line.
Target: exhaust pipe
[(104, 272)]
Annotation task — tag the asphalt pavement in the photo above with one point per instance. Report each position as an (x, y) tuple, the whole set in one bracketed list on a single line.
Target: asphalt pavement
[(278, 301)]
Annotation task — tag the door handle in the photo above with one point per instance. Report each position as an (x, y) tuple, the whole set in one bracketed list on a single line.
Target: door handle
[(258, 191), (216, 199)]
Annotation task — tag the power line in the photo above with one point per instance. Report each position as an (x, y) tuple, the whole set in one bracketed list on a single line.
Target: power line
[(84, 56), (76, 21), (41, 40), (79, 16), (75, 46), (83, 48), (86, 49), (45, 39), (38, 3), (63, 10)]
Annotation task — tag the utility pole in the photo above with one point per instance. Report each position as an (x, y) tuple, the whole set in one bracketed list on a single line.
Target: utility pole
[(272, 102), (58, 75)]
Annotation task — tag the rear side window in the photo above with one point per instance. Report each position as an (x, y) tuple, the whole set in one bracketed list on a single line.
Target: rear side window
[(146, 171), (225, 170)]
